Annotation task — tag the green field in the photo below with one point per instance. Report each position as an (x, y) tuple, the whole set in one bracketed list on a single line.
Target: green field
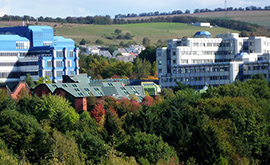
[(154, 31), (260, 17)]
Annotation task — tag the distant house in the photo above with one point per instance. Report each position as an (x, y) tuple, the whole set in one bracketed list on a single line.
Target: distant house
[(137, 49), (129, 58), (105, 53), (77, 88), (101, 51), (120, 51), (202, 24)]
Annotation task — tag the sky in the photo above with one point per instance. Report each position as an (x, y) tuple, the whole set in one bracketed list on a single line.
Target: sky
[(77, 8)]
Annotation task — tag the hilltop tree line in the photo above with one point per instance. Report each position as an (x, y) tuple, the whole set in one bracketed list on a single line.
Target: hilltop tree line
[(175, 12), (248, 28), (225, 125)]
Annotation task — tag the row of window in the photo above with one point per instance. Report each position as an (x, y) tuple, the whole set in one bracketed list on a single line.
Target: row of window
[(198, 52), (18, 63), (8, 54), (189, 79), (200, 70), (16, 74), (22, 45), (59, 64), (61, 53), (199, 44), (59, 73), (246, 67)]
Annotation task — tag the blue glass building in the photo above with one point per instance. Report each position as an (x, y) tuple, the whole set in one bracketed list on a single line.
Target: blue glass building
[(35, 50)]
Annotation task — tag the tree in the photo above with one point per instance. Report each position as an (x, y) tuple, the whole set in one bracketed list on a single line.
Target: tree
[(111, 49), (23, 135), (149, 54), (58, 111), (147, 146), (99, 41), (244, 33), (118, 31), (128, 36), (146, 41), (64, 150), (83, 42), (206, 146), (142, 68), (29, 80), (42, 80), (187, 11), (5, 156)]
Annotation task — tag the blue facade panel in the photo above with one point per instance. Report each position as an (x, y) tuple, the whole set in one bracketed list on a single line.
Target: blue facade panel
[(8, 42)]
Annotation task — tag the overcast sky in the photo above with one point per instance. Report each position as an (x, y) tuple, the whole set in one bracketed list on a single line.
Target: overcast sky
[(65, 8)]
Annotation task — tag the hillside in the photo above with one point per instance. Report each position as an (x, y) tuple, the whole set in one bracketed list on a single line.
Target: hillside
[(260, 17), (154, 31)]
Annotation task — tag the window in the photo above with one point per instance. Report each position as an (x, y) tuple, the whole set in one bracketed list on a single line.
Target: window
[(59, 64), (88, 91), (74, 85), (110, 84), (49, 63), (64, 85), (134, 90), (124, 90), (22, 45), (59, 73), (47, 43), (48, 73), (71, 72), (69, 64), (59, 54), (71, 53), (98, 91)]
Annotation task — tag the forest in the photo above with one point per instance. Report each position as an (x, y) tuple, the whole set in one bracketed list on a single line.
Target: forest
[(225, 125)]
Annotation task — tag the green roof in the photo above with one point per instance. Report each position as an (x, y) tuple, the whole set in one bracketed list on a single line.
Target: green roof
[(97, 89)]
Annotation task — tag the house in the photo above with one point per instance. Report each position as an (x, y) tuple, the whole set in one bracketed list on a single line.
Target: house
[(77, 88), (137, 49), (15, 89), (129, 58), (120, 51), (202, 24), (101, 51)]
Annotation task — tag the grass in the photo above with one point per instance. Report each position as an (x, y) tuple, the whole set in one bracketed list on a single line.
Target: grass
[(154, 31), (260, 17)]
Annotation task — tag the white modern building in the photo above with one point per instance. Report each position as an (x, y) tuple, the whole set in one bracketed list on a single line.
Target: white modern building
[(205, 60)]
